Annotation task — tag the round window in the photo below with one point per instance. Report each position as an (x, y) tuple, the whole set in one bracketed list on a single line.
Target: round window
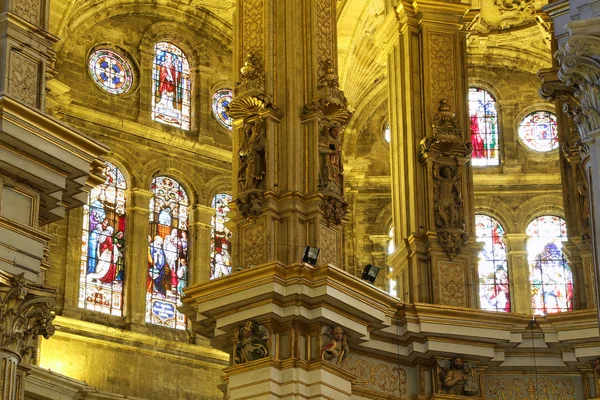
[(110, 71), (220, 101), (538, 131)]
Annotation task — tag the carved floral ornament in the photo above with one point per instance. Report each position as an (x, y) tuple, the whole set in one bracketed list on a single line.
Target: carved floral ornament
[(23, 318), (579, 61)]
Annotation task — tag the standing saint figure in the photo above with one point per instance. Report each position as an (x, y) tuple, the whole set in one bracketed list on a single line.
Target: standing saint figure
[(447, 198), (252, 167), (330, 160), (169, 83), (106, 269), (458, 379)]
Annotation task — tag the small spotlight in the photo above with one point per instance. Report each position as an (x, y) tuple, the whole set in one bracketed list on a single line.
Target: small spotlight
[(370, 273), (311, 254)]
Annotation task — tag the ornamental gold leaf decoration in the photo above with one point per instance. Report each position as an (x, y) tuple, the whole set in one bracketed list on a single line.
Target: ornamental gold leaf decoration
[(378, 377)]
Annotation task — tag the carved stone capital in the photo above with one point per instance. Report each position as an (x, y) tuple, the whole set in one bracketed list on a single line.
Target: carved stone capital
[(23, 318), (579, 60)]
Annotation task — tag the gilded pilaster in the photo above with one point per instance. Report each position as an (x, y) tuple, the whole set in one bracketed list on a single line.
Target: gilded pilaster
[(289, 117), (138, 214), (430, 154)]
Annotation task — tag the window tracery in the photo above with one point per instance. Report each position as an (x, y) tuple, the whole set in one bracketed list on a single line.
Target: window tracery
[(167, 253), (110, 71), (550, 276), (171, 86), (538, 131), (102, 266), (494, 290), (220, 264), (484, 128), (220, 100)]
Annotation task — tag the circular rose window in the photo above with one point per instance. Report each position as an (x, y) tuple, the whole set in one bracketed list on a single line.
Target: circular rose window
[(220, 101), (110, 71), (538, 131)]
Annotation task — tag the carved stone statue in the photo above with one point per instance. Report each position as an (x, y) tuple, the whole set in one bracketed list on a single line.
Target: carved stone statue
[(330, 161), (252, 167), (457, 377), (249, 204), (448, 201), (335, 347), (250, 343)]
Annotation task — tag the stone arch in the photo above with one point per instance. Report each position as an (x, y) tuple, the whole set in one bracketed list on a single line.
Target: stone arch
[(383, 221), (545, 204), (497, 209), (216, 185), (191, 181)]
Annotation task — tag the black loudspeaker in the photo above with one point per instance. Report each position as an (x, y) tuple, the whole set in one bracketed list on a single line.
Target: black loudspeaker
[(370, 273), (311, 254)]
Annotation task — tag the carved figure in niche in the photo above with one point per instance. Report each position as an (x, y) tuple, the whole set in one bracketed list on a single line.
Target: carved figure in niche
[(249, 205), (330, 160), (448, 201), (335, 347), (457, 377), (250, 343), (334, 210), (252, 167)]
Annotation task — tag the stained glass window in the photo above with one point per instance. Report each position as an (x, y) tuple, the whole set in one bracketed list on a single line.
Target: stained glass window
[(102, 266), (538, 131), (220, 101), (171, 86), (484, 128), (167, 253), (387, 133), (110, 71), (494, 293), (220, 258), (549, 274)]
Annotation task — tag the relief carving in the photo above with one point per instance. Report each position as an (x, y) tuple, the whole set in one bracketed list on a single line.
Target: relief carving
[(458, 377), (23, 318), (23, 78), (447, 198), (252, 24), (335, 345), (250, 343), (452, 290), (331, 177), (515, 12), (29, 10), (324, 11), (255, 244), (328, 244), (442, 68), (538, 389), (378, 377), (252, 167)]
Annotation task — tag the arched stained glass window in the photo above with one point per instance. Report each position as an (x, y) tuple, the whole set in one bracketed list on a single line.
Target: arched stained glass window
[(171, 86), (538, 131), (494, 291), (167, 253), (103, 245), (111, 72), (220, 101), (220, 258), (484, 128), (549, 274)]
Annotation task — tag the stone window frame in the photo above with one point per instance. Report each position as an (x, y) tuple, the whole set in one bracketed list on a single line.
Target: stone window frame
[(524, 112)]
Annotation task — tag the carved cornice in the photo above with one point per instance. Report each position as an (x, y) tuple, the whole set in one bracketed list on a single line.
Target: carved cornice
[(24, 316), (579, 60)]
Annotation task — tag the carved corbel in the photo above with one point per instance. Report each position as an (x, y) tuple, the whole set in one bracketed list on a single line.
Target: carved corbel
[(23, 318)]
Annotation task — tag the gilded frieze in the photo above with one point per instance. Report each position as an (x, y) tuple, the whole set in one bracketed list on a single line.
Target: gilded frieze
[(532, 389), (377, 376)]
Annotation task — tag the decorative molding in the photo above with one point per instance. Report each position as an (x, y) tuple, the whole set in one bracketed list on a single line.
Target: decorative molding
[(23, 318), (442, 71), (328, 245), (250, 98), (324, 27), (255, 244), (252, 23), (29, 10), (450, 284), (515, 12), (538, 389)]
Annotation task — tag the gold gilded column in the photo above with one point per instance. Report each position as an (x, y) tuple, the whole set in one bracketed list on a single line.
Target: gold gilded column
[(435, 257), (289, 116)]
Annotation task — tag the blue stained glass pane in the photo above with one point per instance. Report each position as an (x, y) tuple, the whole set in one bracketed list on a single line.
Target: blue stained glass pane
[(110, 71), (220, 101)]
